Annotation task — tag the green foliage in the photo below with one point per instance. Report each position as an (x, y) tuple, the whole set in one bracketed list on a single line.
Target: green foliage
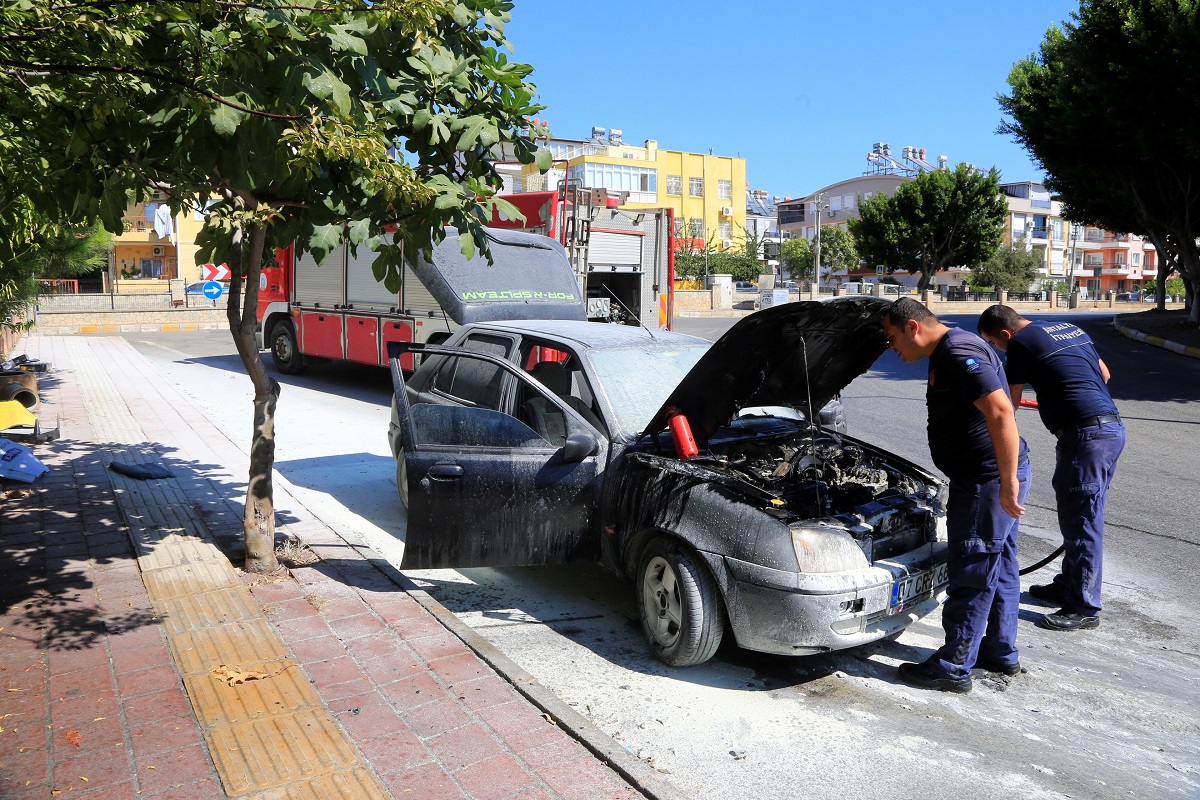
[(838, 249), (729, 262), (1174, 286), (291, 115), (1013, 268), (937, 220), (797, 258), (1075, 105)]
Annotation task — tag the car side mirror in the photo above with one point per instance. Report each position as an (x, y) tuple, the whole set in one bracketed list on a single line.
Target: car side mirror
[(578, 446)]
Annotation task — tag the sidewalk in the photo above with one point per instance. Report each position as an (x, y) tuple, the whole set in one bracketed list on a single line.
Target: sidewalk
[(136, 662)]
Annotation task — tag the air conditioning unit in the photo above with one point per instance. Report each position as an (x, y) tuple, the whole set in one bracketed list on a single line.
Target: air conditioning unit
[(159, 250), (726, 211), (726, 244)]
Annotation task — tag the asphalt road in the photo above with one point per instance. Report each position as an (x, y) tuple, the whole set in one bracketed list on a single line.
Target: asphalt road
[(1107, 713)]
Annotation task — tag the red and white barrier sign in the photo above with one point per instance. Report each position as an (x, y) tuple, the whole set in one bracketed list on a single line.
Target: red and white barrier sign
[(214, 272)]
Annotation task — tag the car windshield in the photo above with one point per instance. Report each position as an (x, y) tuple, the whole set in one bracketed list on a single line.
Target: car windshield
[(638, 381)]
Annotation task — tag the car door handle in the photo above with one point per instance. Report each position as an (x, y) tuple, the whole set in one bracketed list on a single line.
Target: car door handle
[(445, 471)]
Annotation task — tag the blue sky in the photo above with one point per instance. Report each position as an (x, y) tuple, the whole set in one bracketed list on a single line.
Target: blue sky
[(800, 89)]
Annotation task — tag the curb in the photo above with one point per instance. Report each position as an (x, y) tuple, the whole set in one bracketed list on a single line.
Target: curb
[(1157, 341), (640, 775)]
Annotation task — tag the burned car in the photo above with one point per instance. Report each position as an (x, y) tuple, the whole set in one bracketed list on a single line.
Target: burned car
[(696, 470)]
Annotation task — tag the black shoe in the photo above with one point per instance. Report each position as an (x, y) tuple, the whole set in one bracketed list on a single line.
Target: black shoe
[(1066, 621), (999, 666), (1049, 592), (921, 675)]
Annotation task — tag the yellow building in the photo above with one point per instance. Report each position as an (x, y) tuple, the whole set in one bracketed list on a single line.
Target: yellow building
[(155, 246), (707, 192)]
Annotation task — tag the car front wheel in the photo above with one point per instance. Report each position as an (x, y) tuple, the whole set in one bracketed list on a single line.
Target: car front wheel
[(681, 609), (285, 355)]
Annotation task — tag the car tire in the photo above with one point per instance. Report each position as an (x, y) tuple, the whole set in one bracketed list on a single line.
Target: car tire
[(681, 609), (285, 354), (402, 480)]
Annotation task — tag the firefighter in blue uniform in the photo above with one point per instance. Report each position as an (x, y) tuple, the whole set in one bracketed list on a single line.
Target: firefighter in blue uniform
[(1060, 362), (973, 439)]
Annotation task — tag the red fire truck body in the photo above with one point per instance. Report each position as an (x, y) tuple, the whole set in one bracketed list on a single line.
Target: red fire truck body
[(337, 310)]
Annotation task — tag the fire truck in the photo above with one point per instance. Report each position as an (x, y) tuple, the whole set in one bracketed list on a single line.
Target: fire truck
[(624, 257), (337, 310)]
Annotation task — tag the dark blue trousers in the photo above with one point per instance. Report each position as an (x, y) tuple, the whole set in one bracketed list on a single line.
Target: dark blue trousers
[(980, 614), (1086, 463)]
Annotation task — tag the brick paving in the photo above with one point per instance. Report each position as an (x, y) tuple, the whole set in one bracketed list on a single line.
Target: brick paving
[(104, 687)]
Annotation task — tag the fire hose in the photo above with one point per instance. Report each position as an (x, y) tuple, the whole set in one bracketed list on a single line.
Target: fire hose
[(1026, 403)]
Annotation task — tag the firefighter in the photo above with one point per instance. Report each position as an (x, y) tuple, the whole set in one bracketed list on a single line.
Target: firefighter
[(973, 439), (1060, 362)]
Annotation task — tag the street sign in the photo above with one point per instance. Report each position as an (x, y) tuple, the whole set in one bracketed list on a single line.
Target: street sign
[(213, 290), (879, 269), (214, 272)]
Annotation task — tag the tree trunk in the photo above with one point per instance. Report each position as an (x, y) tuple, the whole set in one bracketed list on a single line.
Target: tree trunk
[(258, 518)]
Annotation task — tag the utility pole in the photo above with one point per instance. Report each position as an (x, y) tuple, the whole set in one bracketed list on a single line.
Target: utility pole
[(1075, 229), (820, 205)]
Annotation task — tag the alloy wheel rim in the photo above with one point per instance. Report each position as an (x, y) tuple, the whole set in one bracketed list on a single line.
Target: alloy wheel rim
[(660, 598)]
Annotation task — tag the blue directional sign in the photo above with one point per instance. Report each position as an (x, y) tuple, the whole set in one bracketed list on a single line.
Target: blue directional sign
[(213, 290)]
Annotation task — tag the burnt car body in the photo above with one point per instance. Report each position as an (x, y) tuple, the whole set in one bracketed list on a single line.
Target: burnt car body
[(545, 441)]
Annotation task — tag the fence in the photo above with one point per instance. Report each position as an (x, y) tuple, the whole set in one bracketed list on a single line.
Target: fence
[(142, 301)]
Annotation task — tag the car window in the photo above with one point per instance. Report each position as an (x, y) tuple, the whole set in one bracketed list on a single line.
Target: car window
[(463, 426), (471, 381), (638, 381)]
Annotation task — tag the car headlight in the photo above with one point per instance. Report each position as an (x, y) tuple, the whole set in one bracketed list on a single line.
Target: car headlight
[(825, 550)]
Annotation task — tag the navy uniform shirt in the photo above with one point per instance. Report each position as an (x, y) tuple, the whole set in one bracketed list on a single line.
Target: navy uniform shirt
[(962, 369), (1061, 364)]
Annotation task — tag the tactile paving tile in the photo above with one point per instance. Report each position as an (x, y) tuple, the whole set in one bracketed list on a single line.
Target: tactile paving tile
[(175, 549), (285, 690), (203, 576), (182, 614), (236, 643), (352, 785), (268, 753)]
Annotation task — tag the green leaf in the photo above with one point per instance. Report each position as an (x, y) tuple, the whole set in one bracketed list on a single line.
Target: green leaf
[(225, 120), (343, 41), (543, 159), (323, 240)]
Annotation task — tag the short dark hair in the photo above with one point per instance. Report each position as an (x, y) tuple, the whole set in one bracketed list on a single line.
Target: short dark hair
[(997, 318), (905, 309)]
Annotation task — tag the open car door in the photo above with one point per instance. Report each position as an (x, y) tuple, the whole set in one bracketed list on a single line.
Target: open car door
[(485, 489)]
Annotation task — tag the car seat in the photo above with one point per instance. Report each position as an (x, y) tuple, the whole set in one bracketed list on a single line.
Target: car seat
[(542, 416)]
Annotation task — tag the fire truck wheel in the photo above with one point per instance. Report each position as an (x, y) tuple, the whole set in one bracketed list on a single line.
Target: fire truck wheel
[(402, 481), (285, 355)]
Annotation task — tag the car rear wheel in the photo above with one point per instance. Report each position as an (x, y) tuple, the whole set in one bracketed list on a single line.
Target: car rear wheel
[(285, 355), (681, 609)]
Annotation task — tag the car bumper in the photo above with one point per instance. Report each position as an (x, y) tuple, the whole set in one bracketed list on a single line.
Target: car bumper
[(792, 613)]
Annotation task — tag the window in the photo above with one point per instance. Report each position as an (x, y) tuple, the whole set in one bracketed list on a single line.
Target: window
[(615, 177), (1119, 259), (674, 185), (835, 204), (1135, 259), (696, 187), (696, 228), (725, 229), (1058, 230), (1093, 259), (470, 381), (678, 228), (848, 201), (725, 190)]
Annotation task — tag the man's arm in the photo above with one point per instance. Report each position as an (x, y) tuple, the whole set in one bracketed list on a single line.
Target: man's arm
[(997, 410), (1104, 373), (1015, 391)]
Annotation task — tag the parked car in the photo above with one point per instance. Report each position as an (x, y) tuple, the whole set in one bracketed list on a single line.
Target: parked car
[(791, 286), (745, 286), (197, 287), (546, 441)]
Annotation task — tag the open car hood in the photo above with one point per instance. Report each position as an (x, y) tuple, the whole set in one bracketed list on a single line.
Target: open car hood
[(798, 355), (530, 278)]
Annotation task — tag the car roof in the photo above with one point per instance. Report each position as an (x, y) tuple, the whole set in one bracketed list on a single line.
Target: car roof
[(595, 335)]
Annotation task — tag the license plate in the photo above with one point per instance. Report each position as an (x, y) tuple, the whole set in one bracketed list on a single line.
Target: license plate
[(918, 586)]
